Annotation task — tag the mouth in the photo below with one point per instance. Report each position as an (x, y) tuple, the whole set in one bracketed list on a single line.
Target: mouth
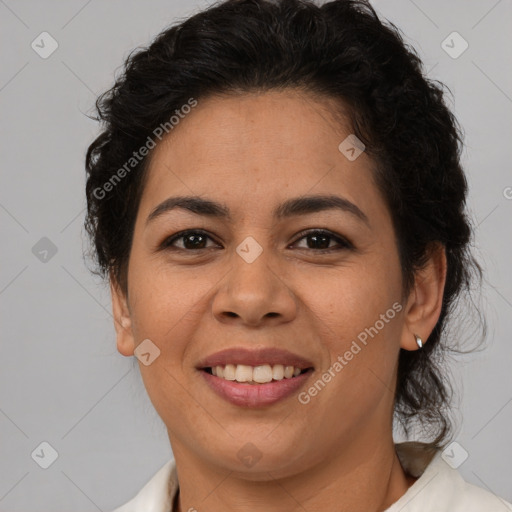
[(252, 394), (256, 377)]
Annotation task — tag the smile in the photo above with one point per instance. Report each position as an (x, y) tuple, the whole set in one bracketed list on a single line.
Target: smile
[(255, 377), (250, 393)]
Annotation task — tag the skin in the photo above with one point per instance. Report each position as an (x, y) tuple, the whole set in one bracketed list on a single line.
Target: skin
[(251, 153)]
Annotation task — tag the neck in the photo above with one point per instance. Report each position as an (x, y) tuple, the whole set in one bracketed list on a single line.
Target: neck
[(365, 476)]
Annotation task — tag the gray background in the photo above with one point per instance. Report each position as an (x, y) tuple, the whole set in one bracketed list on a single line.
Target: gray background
[(62, 380)]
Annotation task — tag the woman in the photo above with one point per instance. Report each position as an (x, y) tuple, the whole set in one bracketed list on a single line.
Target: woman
[(277, 200)]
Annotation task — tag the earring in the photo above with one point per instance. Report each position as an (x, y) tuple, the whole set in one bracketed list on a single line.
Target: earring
[(419, 341)]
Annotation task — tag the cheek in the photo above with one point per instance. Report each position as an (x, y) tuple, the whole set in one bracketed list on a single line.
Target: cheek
[(358, 321), (167, 303), (167, 308), (352, 298), (357, 314)]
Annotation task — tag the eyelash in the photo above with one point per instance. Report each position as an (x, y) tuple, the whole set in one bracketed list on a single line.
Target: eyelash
[(343, 243)]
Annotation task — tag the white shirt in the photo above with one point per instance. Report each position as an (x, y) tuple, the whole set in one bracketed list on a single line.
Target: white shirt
[(439, 487)]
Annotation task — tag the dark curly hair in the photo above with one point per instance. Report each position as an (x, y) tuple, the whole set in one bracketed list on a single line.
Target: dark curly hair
[(341, 50)]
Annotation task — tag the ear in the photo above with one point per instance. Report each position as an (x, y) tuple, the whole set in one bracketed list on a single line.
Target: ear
[(425, 299), (122, 320)]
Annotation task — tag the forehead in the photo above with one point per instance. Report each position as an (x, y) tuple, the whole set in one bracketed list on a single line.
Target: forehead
[(260, 147)]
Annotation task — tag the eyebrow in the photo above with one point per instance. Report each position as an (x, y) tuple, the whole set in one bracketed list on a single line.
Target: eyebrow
[(297, 206)]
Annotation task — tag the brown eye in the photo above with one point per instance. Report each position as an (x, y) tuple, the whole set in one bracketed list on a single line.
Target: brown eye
[(189, 240), (322, 241)]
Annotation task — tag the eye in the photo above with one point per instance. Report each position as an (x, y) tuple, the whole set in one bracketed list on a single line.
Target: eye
[(318, 240), (322, 241), (189, 240)]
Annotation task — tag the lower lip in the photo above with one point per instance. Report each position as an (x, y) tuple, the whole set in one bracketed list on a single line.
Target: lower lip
[(255, 395)]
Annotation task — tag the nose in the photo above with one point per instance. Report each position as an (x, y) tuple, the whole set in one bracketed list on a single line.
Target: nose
[(254, 295)]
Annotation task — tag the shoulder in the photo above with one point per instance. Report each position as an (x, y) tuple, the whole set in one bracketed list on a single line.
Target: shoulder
[(157, 494), (476, 499), (440, 487), (457, 495)]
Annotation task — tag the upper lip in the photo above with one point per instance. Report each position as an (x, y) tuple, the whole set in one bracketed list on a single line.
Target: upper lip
[(255, 357)]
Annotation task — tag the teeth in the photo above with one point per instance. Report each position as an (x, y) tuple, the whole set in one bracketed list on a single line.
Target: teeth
[(255, 374), (278, 372), (229, 371), (243, 373), (262, 374)]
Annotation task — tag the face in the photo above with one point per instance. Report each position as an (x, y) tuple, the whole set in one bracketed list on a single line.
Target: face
[(258, 269)]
